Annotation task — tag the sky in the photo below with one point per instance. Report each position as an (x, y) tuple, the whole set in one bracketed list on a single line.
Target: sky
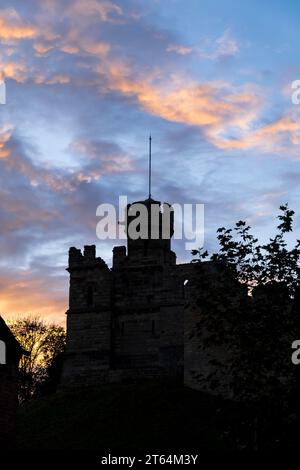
[(87, 81)]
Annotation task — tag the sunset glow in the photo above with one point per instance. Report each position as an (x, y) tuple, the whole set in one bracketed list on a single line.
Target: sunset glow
[(87, 81)]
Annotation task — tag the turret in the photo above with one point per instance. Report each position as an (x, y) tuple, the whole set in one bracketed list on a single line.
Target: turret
[(149, 228), (89, 280)]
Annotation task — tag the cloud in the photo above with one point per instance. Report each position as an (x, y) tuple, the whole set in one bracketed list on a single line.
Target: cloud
[(84, 92), (229, 116), (182, 50), (13, 28), (226, 45), (42, 48), (104, 10), (15, 70), (77, 46), (278, 136), (31, 292), (214, 107), (96, 48), (104, 158), (5, 135), (223, 47), (219, 109), (58, 80), (101, 158), (42, 215)]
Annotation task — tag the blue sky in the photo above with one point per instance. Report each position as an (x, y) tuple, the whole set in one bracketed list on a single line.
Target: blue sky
[(86, 83)]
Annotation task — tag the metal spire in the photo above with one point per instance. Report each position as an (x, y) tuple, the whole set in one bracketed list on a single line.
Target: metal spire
[(150, 157)]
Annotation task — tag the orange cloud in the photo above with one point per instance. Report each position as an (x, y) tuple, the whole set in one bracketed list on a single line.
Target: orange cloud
[(97, 48), (207, 105), (277, 136), (42, 48), (69, 49), (77, 45), (12, 27), (218, 108), (29, 295), (5, 134), (228, 116), (15, 70)]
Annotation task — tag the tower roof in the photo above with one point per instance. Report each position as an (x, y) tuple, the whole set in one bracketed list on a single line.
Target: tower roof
[(146, 202)]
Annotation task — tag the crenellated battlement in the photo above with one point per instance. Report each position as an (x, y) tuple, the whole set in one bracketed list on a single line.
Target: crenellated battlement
[(88, 258), (119, 256)]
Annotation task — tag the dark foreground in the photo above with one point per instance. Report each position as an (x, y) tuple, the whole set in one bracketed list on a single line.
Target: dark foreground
[(151, 417)]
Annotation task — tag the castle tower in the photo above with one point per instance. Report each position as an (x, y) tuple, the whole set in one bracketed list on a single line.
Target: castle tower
[(126, 323), (148, 296), (88, 349)]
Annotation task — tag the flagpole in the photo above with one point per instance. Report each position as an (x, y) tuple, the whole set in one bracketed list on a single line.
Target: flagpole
[(150, 162)]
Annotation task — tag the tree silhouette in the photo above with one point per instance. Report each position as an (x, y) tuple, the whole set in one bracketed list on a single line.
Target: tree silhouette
[(256, 264), (44, 343), (263, 320)]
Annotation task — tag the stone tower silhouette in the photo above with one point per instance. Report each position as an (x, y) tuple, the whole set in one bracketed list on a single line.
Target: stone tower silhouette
[(126, 322)]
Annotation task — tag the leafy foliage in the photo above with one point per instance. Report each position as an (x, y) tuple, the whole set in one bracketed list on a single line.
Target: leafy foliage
[(44, 345), (256, 331), (257, 264)]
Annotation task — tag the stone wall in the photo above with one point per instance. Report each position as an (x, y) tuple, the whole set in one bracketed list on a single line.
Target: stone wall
[(134, 328), (148, 319), (89, 324)]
